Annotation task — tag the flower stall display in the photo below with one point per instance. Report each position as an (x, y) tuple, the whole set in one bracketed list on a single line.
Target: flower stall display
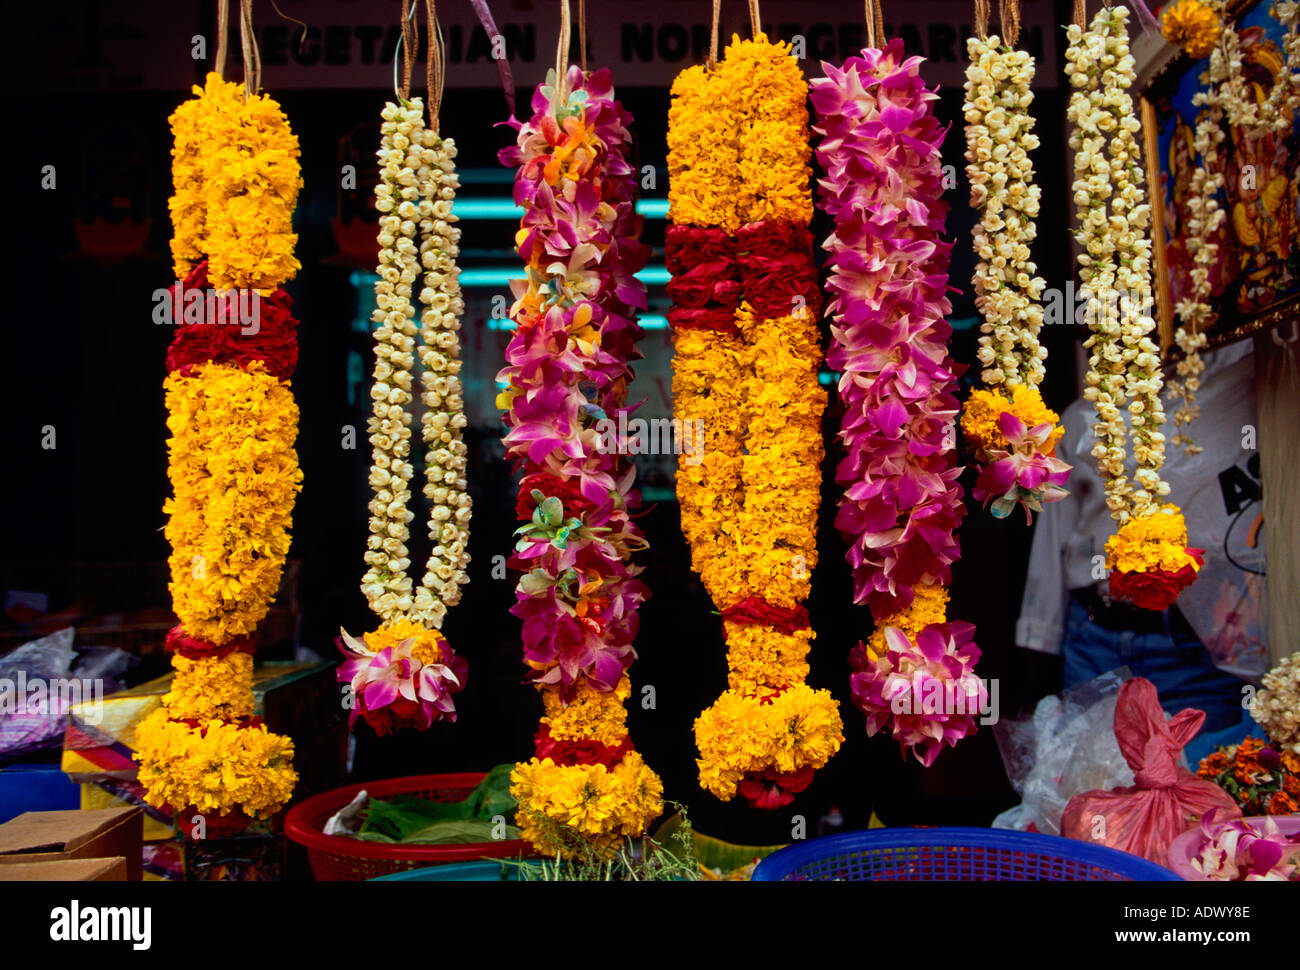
[(566, 381), (405, 673), (746, 354), (880, 147), (1014, 433), (231, 460), (1148, 558)]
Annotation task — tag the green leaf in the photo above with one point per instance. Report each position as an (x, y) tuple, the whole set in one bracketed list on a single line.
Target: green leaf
[(456, 832)]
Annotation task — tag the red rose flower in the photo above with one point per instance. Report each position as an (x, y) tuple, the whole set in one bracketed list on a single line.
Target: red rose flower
[(587, 751), (224, 336), (1155, 589), (192, 648), (755, 609)]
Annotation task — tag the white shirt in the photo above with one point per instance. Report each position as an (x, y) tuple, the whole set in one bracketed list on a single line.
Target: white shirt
[(1219, 493)]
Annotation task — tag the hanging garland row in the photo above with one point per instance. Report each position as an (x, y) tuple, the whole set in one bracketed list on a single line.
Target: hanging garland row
[(1148, 557), (880, 146), (566, 380), (744, 314), (1014, 433), (231, 462)]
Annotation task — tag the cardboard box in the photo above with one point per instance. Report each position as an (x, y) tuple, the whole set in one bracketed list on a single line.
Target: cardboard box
[(53, 836), (66, 870)]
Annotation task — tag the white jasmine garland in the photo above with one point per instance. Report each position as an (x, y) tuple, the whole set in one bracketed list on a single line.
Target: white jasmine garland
[(999, 136), (417, 184), (1115, 265)]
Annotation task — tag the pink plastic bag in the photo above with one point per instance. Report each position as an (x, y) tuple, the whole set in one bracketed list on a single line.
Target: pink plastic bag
[(1167, 798)]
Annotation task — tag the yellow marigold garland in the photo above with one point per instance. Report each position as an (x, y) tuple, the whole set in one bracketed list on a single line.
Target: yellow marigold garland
[(234, 476), (739, 167), (231, 462)]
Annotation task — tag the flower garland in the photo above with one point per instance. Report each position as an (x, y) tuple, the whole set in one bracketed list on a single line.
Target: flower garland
[(1014, 432), (405, 673), (1276, 708), (1263, 778), (880, 146), (566, 381), (231, 463), (1148, 557), (1200, 29), (747, 351)]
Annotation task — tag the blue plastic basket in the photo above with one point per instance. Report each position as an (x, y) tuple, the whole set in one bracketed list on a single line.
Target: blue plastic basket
[(954, 854)]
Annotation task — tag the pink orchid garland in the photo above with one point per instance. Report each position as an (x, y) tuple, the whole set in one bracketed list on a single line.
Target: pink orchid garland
[(880, 146), (567, 373)]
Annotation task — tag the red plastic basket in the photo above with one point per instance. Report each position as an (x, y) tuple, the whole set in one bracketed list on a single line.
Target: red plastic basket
[(339, 858)]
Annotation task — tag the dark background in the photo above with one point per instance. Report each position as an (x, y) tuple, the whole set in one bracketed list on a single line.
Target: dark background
[(82, 355)]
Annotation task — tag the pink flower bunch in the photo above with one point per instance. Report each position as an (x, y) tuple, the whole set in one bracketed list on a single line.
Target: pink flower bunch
[(927, 689), (880, 146), (1024, 474), (392, 689), (566, 376), (1235, 850)]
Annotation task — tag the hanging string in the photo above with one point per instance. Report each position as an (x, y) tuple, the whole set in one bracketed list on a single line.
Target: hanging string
[(302, 37), (712, 62), (562, 53), (755, 21), (435, 76), (1010, 21), (223, 32), (1081, 13), (252, 58), (503, 63), (875, 15), (406, 45), (582, 34), (982, 19)]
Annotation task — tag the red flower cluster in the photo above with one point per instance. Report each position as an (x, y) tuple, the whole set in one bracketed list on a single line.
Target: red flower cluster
[(774, 789), (756, 610), (223, 337), (776, 268), (586, 751), (567, 490), (192, 648), (1155, 589), (768, 263)]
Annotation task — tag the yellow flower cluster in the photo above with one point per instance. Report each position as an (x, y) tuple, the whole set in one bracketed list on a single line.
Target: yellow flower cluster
[(217, 768), (1155, 541), (741, 734), (929, 605), (761, 656), (235, 478), (425, 648), (708, 386), (776, 529), (563, 808), (211, 687), (979, 418), (596, 714), (738, 148), (236, 179), (1191, 25)]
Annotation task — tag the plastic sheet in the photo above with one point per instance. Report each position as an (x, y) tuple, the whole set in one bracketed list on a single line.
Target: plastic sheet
[(1065, 747)]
